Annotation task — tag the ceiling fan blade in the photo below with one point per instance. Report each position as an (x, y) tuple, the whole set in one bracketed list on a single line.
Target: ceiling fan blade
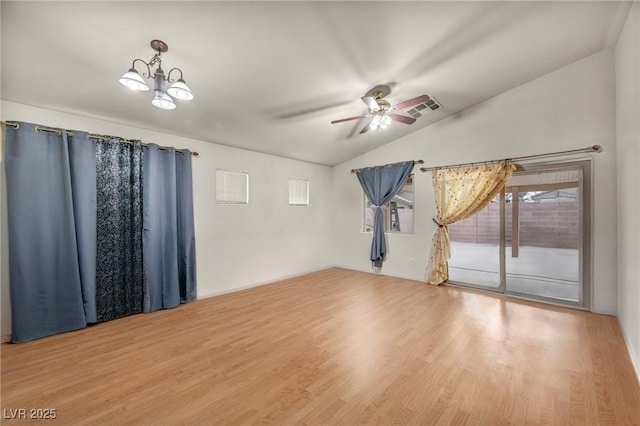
[(357, 117), (411, 102), (371, 103), (402, 118), (365, 129)]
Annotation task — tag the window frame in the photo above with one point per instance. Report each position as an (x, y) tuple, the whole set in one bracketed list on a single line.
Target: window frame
[(386, 213), (306, 191), (220, 198)]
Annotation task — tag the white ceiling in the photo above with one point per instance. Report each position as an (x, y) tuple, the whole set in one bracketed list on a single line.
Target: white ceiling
[(270, 76)]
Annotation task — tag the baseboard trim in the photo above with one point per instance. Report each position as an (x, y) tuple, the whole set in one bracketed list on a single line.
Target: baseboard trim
[(393, 274), (635, 362), (5, 338), (261, 283), (603, 312)]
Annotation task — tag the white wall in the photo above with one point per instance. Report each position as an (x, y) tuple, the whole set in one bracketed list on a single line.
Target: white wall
[(572, 107), (237, 246), (627, 63)]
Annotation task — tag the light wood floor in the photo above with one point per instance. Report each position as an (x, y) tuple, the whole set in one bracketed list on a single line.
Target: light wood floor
[(333, 347)]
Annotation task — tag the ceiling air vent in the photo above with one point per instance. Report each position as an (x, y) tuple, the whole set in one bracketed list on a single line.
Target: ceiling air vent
[(421, 109)]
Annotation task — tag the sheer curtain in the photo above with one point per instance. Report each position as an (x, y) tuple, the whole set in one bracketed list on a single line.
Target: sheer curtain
[(460, 193), (380, 184)]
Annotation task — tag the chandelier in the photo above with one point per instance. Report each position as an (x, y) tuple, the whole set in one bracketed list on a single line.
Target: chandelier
[(162, 99)]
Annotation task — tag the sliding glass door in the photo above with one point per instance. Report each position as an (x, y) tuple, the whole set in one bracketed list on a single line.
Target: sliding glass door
[(475, 247), (534, 240)]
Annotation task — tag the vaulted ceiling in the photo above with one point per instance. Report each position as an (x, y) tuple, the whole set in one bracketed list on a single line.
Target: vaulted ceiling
[(271, 76)]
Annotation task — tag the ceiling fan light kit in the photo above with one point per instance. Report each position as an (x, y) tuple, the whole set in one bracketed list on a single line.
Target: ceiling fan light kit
[(380, 122), (381, 109), (163, 98)]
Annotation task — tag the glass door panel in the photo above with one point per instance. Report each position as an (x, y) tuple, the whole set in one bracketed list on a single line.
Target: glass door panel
[(475, 248), (543, 239)]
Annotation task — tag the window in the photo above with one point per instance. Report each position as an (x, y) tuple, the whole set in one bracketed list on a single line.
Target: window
[(397, 214), (232, 187), (298, 192)]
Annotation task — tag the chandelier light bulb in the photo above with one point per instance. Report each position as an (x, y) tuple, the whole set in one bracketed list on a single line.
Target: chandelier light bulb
[(180, 90), (385, 120), (380, 122), (163, 101), (133, 81)]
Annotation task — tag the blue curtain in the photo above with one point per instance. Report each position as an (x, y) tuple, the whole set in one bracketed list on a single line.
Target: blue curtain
[(78, 251), (380, 185), (119, 272), (186, 229), (168, 238), (44, 266), (82, 156)]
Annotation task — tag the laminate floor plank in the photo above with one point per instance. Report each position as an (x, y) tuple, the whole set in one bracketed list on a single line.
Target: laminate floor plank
[(335, 347)]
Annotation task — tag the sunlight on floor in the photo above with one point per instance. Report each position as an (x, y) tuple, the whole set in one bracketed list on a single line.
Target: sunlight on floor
[(539, 271)]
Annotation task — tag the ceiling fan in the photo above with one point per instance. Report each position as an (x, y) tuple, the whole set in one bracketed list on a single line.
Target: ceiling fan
[(382, 111)]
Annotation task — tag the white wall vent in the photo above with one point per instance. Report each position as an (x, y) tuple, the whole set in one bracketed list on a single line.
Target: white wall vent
[(421, 109)]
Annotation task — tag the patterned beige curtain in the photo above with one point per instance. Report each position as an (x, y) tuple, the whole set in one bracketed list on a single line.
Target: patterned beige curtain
[(460, 193)]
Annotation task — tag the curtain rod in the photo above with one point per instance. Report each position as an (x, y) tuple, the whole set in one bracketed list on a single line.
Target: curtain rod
[(92, 136), (392, 164), (591, 148)]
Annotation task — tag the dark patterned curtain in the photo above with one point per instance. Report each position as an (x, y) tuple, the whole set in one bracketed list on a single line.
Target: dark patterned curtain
[(119, 265)]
